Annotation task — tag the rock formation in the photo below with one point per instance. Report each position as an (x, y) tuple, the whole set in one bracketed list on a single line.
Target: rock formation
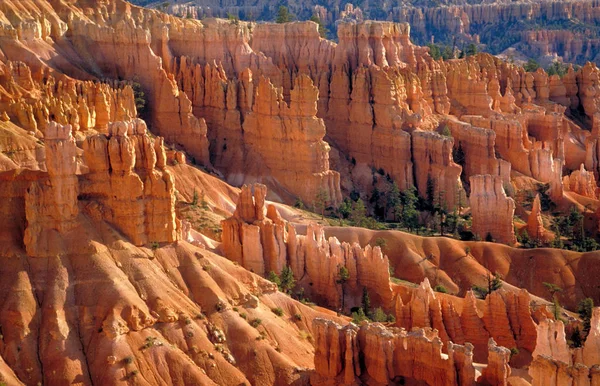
[(89, 201), (581, 182), (497, 370), (506, 318), (386, 353), (591, 348), (435, 170), (51, 205), (551, 341), (261, 241), (127, 184), (492, 210)]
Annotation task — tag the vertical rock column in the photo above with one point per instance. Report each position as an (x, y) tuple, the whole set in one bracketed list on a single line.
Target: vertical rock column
[(492, 209), (51, 208)]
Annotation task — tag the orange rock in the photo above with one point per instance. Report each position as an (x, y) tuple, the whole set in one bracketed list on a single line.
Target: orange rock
[(495, 317), (263, 244), (473, 327), (52, 206), (435, 168), (521, 321), (386, 354), (535, 224), (128, 180), (591, 347), (581, 182), (497, 370), (492, 210), (551, 341)]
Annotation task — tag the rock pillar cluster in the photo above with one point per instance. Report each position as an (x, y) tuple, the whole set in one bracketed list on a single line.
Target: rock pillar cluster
[(261, 241), (128, 185), (379, 354)]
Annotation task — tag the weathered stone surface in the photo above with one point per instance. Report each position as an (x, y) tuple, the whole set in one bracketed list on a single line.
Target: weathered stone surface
[(492, 210), (497, 370), (128, 183), (386, 354), (263, 244), (581, 182), (435, 171), (551, 341), (51, 205), (591, 347)]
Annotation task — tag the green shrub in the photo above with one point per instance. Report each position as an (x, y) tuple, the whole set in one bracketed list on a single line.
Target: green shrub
[(255, 322), (277, 311), (440, 288)]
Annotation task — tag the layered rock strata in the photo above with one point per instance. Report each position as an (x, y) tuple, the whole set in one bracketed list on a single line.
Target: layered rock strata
[(127, 185)]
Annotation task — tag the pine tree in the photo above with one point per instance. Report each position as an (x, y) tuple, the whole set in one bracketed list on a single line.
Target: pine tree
[(358, 216), (283, 15), (393, 200), (322, 29), (274, 278), (321, 202), (287, 280), (584, 309), (342, 278), (366, 301)]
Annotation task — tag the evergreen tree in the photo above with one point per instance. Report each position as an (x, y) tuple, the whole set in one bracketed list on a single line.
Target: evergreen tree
[(287, 280), (471, 49), (393, 200), (283, 15), (531, 65), (195, 198), (321, 202), (379, 315), (584, 309), (274, 278), (359, 316), (366, 301), (410, 215), (553, 289), (358, 216), (322, 29), (342, 277)]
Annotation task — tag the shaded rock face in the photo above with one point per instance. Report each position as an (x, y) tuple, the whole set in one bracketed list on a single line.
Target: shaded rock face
[(261, 241), (380, 354)]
